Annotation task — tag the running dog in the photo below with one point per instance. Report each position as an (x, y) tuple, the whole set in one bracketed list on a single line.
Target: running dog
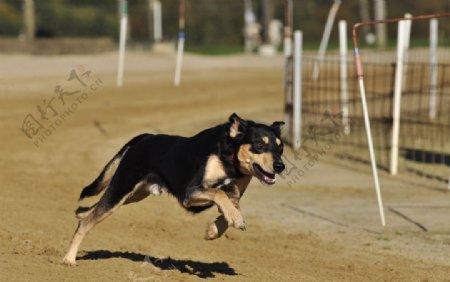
[(211, 168)]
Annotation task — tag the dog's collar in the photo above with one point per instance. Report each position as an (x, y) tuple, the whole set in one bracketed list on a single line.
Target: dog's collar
[(235, 161)]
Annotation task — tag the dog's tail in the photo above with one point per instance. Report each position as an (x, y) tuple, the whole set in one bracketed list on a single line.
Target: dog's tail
[(103, 180)]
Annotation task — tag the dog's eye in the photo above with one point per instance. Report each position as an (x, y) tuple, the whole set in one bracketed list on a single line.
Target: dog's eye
[(259, 145)]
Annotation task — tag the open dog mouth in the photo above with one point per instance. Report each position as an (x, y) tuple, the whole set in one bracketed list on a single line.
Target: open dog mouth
[(264, 176)]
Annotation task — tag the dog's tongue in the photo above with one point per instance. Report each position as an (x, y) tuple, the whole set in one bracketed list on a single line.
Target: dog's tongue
[(269, 180)]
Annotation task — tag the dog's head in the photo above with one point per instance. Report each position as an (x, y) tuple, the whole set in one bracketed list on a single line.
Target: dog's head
[(258, 148)]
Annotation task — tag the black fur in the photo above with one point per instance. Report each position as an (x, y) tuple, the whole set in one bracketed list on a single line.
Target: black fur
[(178, 163), (213, 167), (94, 188)]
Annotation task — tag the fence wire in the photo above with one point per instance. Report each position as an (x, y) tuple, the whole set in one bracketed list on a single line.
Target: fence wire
[(424, 142)]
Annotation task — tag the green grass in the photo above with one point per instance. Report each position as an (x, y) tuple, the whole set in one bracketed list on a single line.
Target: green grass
[(217, 50)]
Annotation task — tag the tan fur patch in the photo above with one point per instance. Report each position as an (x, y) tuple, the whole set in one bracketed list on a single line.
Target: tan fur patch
[(138, 193), (278, 141), (85, 224), (265, 139), (244, 158), (234, 129), (220, 198), (214, 170), (220, 225), (247, 158), (111, 169)]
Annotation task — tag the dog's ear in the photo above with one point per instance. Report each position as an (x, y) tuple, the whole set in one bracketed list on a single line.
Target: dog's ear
[(276, 126), (238, 126)]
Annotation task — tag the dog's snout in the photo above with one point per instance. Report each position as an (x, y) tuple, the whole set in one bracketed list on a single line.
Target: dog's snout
[(278, 167)]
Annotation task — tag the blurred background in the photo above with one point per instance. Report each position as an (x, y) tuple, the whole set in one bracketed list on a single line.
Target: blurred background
[(212, 26), (65, 113)]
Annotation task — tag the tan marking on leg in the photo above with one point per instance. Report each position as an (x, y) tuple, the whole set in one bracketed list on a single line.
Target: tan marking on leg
[(220, 225), (265, 139), (217, 228), (139, 193), (86, 224), (220, 198), (111, 170), (198, 203), (278, 141), (85, 214)]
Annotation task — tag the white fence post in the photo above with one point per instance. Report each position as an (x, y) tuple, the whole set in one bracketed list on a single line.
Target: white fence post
[(325, 37), (249, 20), (157, 20), (123, 5), (179, 62), (297, 101), (343, 74), (397, 96), (180, 48), (407, 35), (433, 66), (448, 183)]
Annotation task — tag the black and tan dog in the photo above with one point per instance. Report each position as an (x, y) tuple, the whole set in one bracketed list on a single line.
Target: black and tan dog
[(213, 167)]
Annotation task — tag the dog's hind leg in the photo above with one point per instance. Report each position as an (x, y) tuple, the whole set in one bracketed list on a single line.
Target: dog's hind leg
[(127, 179), (115, 196), (103, 180), (98, 213), (88, 220)]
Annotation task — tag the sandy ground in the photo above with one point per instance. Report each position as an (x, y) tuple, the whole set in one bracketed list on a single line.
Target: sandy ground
[(322, 226)]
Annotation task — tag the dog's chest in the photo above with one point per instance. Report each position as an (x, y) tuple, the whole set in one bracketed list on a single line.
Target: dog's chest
[(215, 175)]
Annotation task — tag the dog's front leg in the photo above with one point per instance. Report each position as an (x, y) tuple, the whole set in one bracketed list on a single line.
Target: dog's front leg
[(232, 215), (217, 228)]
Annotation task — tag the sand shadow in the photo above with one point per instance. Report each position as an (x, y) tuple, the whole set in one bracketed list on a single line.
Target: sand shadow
[(197, 268)]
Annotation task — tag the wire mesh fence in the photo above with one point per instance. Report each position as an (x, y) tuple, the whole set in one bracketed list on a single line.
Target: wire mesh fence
[(424, 141)]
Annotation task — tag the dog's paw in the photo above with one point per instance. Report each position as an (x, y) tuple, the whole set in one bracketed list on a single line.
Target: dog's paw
[(240, 225), (212, 232), (243, 227), (186, 203), (235, 219), (69, 262)]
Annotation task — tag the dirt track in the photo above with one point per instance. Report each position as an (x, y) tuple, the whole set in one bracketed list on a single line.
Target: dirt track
[(324, 227)]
